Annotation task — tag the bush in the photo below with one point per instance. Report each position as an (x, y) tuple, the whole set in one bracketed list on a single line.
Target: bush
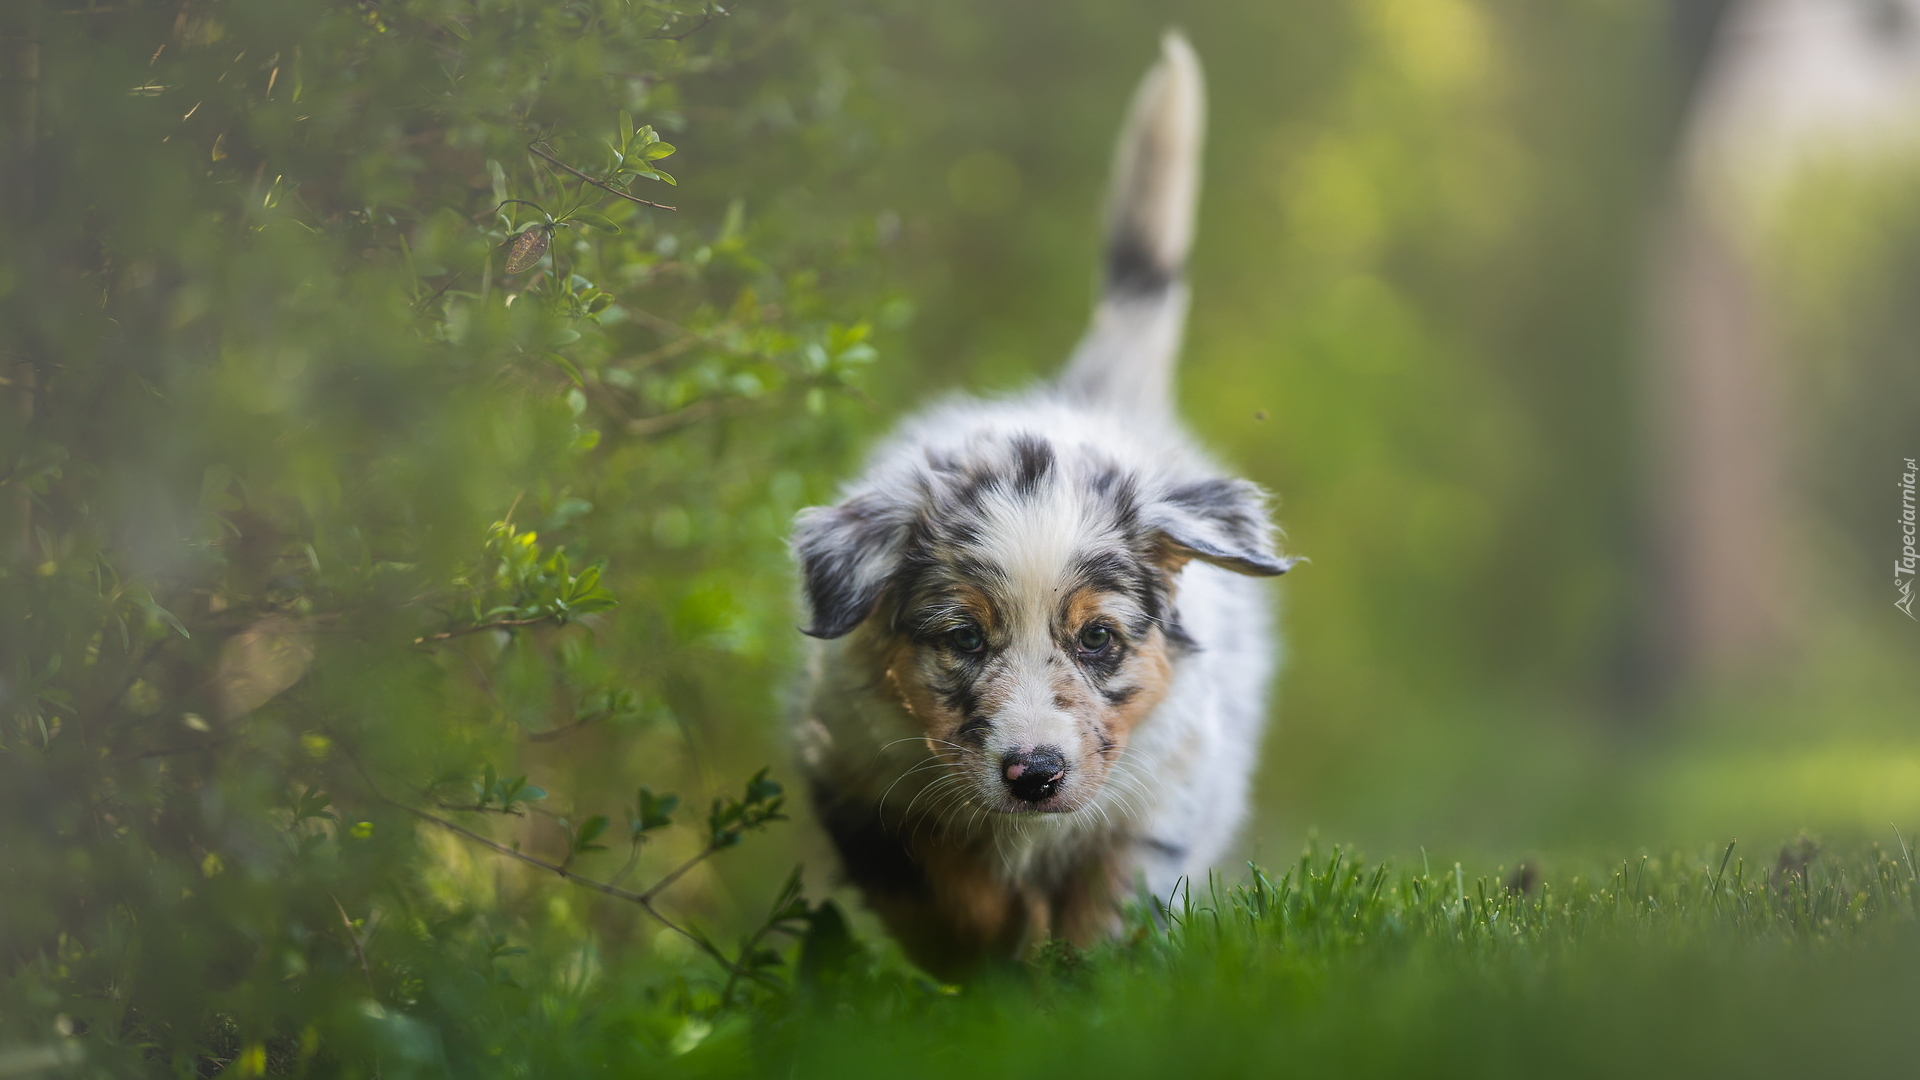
[(366, 356)]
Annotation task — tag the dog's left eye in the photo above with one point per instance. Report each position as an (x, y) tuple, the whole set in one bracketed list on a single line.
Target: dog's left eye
[(1095, 638)]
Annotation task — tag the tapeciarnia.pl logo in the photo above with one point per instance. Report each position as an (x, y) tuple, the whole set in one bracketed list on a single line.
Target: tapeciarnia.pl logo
[(1903, 567)]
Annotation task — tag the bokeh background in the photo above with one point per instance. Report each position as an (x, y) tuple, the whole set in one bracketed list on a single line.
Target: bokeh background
[(1577, 343), (1448, 306), (1470, 281)]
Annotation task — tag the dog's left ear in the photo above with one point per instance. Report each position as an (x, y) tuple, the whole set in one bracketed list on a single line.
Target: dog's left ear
[(847, 554), (1223, 522)]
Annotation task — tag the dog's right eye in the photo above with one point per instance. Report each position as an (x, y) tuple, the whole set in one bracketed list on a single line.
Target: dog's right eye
[(967, 640)]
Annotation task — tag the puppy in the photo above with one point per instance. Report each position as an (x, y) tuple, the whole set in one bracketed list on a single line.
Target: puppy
[(1041, 669)]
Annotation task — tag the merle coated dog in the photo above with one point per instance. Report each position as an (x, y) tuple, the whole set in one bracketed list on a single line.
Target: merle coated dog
[(1041, 670)]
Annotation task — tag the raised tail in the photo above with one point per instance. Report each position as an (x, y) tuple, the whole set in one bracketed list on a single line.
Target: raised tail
[(1125, 361)]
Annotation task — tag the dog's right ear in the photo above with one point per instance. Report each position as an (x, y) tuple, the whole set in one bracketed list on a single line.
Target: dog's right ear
[(847, 553)]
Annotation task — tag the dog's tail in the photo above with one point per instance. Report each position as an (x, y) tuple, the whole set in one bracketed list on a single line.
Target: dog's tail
[(1125, 361)]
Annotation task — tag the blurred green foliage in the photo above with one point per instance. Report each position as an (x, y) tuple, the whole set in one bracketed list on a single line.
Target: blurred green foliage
[(402, 465), (1420, 284)]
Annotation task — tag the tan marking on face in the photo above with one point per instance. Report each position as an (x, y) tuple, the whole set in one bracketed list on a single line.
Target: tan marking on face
[(1083, 607), (977, 605), (1151, 669), (1148, 665), (901, 673), (904, 668), (1100, 729)]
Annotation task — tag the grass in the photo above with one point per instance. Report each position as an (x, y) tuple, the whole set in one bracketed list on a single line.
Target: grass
[(1704, 964), (1709, 965)]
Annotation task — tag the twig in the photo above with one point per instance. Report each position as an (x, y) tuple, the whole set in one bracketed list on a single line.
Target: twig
[(354, 940), (748, 946), (644, 900), (565, 730), (440, 292), (633, 859), (713, 12), (673, 875), (664, 422), (664, 352), (753, 940), (534, 148), (668, 326), (710, 409), (498, 624), (476, 808), (746, 954)]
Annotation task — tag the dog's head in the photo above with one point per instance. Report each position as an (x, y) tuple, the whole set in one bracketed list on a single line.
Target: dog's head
[(1016, 594)]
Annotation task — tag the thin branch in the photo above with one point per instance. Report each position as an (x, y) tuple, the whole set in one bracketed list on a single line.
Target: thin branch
[(644, 900), (673, 875), (440, 292), (713, 12), (534, 148), (664, 352), (565, 730), (476, 808), (497, 624), (746, 955), (710, 409), (633, 860), (354, 939), (753, 941), (668, 326), (664, 422)]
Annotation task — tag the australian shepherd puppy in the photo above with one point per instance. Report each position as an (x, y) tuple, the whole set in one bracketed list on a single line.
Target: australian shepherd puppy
[(1041, 669)]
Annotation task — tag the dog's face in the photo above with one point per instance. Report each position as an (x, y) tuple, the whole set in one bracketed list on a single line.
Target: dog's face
[(1016, 596)]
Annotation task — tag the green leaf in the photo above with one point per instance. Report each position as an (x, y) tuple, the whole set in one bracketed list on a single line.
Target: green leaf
[(146, 601), (656, 151), (590, 831), (761, 788), (599, 601), (656, 811), (567, 366), (596, 221)]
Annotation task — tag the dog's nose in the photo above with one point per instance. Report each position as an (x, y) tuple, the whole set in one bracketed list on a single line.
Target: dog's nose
[(1034, 774)]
